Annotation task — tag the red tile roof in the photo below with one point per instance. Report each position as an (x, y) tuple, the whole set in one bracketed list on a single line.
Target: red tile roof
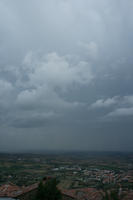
[(10, 190), (84, 194)]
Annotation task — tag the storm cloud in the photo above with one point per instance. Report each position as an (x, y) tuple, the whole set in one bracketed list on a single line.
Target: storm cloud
[(66, 75)]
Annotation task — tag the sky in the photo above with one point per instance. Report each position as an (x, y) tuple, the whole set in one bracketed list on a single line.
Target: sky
[(66, 75)]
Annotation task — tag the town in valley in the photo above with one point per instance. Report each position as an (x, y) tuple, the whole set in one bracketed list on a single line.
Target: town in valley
[(98, 173)]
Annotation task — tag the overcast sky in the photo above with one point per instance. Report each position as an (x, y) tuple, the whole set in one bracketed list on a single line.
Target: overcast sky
[(66, 75)]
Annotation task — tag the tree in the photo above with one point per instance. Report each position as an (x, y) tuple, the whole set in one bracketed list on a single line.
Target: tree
[(40, 191), (114, 195), (48, 191), (111, 195)]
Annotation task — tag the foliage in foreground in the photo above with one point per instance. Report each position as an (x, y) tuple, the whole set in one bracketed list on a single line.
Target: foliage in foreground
[(48, 191)]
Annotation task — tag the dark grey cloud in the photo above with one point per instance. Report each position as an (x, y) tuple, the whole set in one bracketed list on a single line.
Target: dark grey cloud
[(66, 74)]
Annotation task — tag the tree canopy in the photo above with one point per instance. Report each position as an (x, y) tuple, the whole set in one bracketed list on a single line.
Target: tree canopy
[(48, 191)]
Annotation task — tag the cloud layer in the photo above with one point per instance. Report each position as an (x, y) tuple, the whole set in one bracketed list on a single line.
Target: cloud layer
[(66, 74)]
